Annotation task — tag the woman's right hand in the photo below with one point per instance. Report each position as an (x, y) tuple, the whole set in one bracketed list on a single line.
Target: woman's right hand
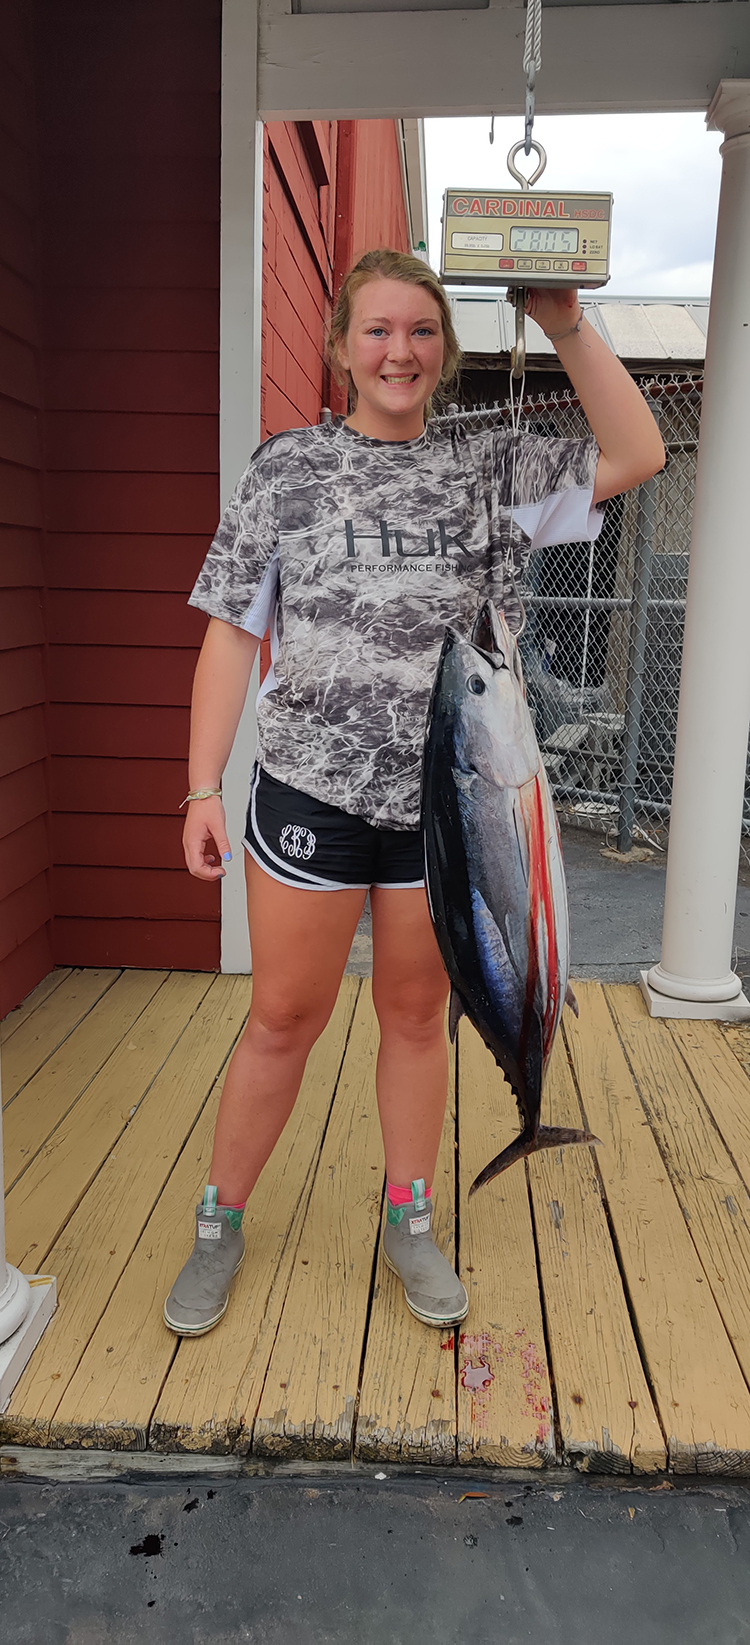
[(204, 839)]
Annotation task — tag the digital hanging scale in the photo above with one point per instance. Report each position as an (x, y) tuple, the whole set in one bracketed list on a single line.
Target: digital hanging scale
[(524, 239), (518, 239)]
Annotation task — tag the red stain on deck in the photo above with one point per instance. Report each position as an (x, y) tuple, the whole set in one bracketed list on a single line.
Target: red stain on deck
[(477, 1376), (534, 1379), (448, 1345), (484, 1357), (479, 1353)]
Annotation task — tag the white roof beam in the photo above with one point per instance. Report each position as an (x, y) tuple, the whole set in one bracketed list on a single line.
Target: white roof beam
[(597, 59)]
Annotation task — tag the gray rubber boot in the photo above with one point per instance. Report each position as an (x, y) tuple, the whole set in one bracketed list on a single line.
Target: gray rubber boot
[(433, 1292), (200, 1294)]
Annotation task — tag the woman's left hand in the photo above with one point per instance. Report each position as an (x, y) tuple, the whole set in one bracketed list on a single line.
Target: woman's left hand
[(554, 308)]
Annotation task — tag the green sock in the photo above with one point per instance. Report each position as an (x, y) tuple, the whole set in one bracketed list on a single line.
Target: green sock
[(233, 1213)]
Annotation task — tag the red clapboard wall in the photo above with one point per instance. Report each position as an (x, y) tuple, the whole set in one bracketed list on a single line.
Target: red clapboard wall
[(299, 189), (331, 190), (370, 208), (115, 333), (25, 949), (129, 126)]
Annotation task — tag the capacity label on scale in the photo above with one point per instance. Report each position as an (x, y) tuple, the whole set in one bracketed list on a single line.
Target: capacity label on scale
[(511, 237)]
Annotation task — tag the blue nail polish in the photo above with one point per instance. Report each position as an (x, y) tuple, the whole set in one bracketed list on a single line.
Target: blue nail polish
[(227, 856)]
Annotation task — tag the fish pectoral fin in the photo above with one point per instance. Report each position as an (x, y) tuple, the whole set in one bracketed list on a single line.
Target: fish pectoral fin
[(456, 1011), (571, 1000)]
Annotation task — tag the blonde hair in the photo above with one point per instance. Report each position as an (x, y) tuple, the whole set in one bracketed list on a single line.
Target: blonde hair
[(390, 265)]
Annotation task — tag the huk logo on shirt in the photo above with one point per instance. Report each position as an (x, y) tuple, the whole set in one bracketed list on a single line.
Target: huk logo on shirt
[(390, 544), (296, 841)]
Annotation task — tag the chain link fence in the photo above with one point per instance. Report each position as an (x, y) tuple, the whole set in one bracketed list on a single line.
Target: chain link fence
[(603, 639)]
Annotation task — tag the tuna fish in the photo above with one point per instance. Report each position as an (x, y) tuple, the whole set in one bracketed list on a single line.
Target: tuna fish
[(494, 869)]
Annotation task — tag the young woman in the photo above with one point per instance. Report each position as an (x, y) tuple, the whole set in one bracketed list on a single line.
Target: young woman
[(356, 542)]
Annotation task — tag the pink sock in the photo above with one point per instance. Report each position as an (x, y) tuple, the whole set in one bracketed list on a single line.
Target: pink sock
[(403, 1196), (228, 1205)]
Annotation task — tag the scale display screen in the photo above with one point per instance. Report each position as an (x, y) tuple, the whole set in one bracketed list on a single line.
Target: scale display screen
[(543, 241), (516, 238)]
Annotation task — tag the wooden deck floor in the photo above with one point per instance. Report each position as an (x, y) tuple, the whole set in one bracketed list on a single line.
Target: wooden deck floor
[(610, 1289)]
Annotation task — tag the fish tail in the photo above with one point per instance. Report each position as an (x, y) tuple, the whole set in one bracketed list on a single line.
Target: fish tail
[(528, 1142), (521, 1145), (557, 1136)]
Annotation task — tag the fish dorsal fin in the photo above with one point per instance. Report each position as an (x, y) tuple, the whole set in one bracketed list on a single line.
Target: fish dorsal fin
[(571, 1000), (455, 1013)]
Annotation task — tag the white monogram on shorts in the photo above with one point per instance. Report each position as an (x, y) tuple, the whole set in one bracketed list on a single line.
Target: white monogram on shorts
[(296, 841)]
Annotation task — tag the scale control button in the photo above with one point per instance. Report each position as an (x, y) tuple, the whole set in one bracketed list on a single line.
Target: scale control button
[(578, 267), (524, 262), (542, 262), (561, 263), (505, 262)]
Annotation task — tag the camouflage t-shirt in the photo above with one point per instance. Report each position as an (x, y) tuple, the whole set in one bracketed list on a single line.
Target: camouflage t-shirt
[(356, 553)]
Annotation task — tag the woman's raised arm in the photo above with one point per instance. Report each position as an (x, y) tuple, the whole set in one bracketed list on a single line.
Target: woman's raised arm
[(629, 441)]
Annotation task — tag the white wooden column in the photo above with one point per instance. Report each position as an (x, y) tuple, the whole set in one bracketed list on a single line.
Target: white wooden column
[(25, 1307), (239, 385), (694, 977), (15, 1295)]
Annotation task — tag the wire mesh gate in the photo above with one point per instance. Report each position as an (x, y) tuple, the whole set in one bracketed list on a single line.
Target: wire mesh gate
[(603, 642)]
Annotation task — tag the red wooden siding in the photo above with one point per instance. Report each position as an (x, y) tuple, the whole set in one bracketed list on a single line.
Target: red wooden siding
[(130, 138), (332, 190), (297, 273), (370, 209), (25, 949), (109, 401)]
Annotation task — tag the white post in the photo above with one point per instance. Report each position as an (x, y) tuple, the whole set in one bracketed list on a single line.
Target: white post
[(694, 977), (25, 1306), (239, 385), (15, 1293)]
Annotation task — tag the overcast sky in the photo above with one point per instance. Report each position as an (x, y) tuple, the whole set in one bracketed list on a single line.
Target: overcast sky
[(663, 170)]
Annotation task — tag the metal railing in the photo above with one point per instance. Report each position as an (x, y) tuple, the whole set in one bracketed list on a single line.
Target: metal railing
[(603, 641)]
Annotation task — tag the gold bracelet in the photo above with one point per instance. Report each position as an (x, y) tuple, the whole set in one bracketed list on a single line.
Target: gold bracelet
[(557, 336), (200, 794)]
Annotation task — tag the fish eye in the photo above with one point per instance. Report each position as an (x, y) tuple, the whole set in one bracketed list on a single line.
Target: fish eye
[(476, 684)]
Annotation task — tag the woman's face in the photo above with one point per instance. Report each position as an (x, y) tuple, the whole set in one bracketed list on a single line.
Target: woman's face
[(394, 351)]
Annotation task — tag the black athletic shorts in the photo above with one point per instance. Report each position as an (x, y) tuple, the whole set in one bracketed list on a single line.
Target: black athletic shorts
[(301, 841)]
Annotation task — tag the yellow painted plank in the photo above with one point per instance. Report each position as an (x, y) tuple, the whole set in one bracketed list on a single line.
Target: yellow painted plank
[(52, 1022), (700, 1394), (737, 1037), (49, 1096), (504, 1397), (705, 1179), (407, 1403), (605, 1411), (723, 1084), (211, 1394), (308, 1403), (100, 1237), (16, 1019), (39, 1205)]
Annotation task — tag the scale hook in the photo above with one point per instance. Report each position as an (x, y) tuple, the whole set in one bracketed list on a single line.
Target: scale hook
[(526, 182), (518, 354)]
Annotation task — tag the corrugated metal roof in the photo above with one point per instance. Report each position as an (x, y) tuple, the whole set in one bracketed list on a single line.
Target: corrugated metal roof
[(635, 328)]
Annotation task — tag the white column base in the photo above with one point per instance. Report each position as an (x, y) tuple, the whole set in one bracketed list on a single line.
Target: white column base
[(667, 1005), (16, 1352), (15, 1301)]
